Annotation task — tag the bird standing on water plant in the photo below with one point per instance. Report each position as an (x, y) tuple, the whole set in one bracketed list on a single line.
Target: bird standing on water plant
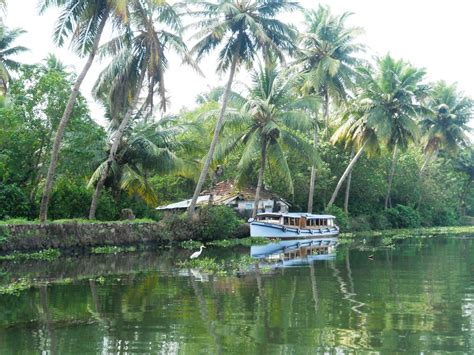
[(197, 253)]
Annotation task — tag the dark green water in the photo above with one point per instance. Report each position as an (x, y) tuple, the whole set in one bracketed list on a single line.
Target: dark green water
[(417, 297)]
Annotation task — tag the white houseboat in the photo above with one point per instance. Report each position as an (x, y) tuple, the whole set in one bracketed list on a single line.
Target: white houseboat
[(293, 226)]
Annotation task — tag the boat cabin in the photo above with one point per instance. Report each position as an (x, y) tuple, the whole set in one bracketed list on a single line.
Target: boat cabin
[(298, 220)]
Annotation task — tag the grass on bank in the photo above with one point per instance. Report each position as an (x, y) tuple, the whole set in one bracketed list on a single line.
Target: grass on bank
[(20, 221)]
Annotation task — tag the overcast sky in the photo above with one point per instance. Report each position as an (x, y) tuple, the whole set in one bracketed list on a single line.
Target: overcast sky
[(434, 34)]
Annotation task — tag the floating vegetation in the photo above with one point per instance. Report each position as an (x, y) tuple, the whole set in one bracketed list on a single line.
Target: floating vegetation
[(113, 250), (246, 242), (190, 244), (15, 288), (43, 255), (234, 266)]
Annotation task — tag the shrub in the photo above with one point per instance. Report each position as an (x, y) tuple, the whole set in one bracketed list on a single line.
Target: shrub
[(341, 218), (445, 217), (403, 217), (13, 202), (360, 224), (71, 199), (219, 222), (379, 221)]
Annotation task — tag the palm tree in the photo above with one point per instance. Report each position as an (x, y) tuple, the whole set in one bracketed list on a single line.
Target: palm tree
[(391, 99), (266, 124), (327, 57), (464, 162), (146, 148), (445, 128), (138, 53), (242, 28), (7, 50), (83, 22), (396, 93), (355, 132)]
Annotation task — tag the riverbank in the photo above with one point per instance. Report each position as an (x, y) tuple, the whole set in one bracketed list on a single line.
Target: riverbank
[(83, 234), (21, 237)]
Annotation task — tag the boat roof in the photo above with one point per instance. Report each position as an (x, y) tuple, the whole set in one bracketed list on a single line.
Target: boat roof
[(297, 215)]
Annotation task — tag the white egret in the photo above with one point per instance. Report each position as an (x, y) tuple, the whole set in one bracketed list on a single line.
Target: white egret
[(197, 253)]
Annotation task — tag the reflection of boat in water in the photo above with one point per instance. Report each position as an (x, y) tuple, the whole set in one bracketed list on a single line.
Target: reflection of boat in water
[(295, 252), (293, 225)]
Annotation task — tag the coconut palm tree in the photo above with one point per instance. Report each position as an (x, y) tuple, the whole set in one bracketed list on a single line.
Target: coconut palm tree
[(327, 59), (139, 54), (241, 28), (355, 132), (445, 128), (266, 125), (146, 148), (464, 162), (392, 97), (7, 51), (82, 22)]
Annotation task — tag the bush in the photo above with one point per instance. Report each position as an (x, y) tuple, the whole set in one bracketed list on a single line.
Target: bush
[(403, 217), (72, 199), (360, 224), (219, 222), (445, 217), (13, 202), (379, 221), (341, 218)]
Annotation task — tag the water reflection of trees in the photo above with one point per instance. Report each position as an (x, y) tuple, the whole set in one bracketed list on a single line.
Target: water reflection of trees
[(418, 299)]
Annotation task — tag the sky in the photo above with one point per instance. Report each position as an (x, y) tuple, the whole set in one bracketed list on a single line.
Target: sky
[(434, 34)]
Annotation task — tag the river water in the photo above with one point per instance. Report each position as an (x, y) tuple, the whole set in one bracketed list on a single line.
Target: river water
[(417, 296)]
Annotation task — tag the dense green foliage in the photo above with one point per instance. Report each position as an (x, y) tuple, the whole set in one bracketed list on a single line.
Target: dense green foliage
[(328, 117)]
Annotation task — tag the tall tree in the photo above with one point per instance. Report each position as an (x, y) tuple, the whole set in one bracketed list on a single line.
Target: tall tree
[(139, 54), (392, 95), (7, 51), (83, 22), (328, 59), (356, 132), (445, 127), (266, 124), (148, 148), (242, 28)]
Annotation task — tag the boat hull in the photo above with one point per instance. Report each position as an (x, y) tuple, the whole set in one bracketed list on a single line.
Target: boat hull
[(268, 230)]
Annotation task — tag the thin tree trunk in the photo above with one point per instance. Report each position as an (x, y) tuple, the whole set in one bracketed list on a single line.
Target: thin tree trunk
[(390, 177), (425, 165), (348, 186), (326, 113), (346, 173), (423, 170), (462, 199), (113, 150), (62, 124), (312, 182), (215, 138), (261, 174)]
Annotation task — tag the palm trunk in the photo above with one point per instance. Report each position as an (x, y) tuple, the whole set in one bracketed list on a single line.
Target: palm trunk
[(113, 150), (326, 113), (62, 124), (462, 198), (312, 182), (261, 174), (390, 178), (345, 174), (425, 165), (215, 138), (423, 170), (348, 186)]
